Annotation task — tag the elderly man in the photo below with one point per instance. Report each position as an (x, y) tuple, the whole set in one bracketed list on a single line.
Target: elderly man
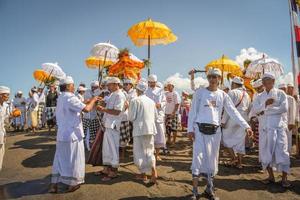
[(233, 135), (91, 122), (126, 126), (291, 115), (112, 122), (158, 96), (204, 129), (142, 112), (4, 113), (19, 102), (69, 160), (272, 106)]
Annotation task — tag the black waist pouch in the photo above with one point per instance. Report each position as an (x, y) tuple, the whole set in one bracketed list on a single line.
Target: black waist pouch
[(207, 129)]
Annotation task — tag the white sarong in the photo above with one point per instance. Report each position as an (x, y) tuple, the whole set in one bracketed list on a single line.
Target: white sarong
[(274, 149), (206, 153), (69, 163), (110, 148), (143, 152)]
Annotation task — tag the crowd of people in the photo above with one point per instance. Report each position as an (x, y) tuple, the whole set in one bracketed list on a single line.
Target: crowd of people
[(146, 115)]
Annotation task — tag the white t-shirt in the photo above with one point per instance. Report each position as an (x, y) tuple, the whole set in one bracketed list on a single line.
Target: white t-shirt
[(172, 99)]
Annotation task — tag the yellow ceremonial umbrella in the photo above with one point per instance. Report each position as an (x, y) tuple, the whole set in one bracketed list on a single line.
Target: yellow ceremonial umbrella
[(95, 63), (150, 33), (225, 65), (41, 76)]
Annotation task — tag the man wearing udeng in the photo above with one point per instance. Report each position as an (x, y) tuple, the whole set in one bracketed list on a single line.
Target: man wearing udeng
[(69, 160)]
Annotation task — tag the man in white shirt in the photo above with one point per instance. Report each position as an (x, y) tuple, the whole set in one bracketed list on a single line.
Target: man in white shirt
[(90, 120), (69, 160), (112, 122), (291, 115), (142, 112), (4, 114), (126, 125), (234, 135), (19, 102), (172, 111), (158, 97), (272, 106), (204, 129)]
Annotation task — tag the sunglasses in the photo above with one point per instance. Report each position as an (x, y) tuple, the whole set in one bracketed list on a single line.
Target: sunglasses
[(212, 77)]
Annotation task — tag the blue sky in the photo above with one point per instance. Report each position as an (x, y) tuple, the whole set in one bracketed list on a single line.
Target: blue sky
[(36, 31)]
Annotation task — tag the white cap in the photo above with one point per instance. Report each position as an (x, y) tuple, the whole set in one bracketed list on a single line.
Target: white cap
[(95, 84), (34, 89), (127, 81), (142, 86), (67, 80), (257, 83), (19, 92), (214, 72), (269, 75), (170, 83), (290, 85), (113, 80), (4, 90), (159, 84), (238, 80), (282, 85), (152, 78), (80, 88), (185, 92)]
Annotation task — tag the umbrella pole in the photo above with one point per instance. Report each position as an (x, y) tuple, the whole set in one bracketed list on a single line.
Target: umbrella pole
[(101, 69), (149, 55)]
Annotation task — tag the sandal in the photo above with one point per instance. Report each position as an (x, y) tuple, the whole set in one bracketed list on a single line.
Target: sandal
[(53, 188), (231, 163), (99, 173), (72, 188), (141, 177)]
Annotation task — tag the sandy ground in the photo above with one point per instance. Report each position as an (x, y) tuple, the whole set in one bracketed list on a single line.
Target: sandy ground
[(28, 160)]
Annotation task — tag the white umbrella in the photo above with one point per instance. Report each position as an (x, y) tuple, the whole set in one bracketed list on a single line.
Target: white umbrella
[(105, 51), (54, 70), (262, 65)]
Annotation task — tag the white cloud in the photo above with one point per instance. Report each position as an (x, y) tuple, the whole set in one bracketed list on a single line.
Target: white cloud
[(183, 83), (248, 54), (286, 78)]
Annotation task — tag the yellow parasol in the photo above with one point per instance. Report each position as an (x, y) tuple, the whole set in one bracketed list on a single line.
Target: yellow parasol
[(42, 76), (150, 33), (225, 65), (95, 63)]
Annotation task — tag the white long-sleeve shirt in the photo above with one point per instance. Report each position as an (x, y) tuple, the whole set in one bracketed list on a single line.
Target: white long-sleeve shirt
[(275, 115), (207, 107), (142, 112)]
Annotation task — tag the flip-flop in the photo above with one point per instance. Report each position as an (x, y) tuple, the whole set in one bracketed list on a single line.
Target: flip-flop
[(53, 189), (268, 181), (140, 177), (99, 173), (108, 178), (72, 189)]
